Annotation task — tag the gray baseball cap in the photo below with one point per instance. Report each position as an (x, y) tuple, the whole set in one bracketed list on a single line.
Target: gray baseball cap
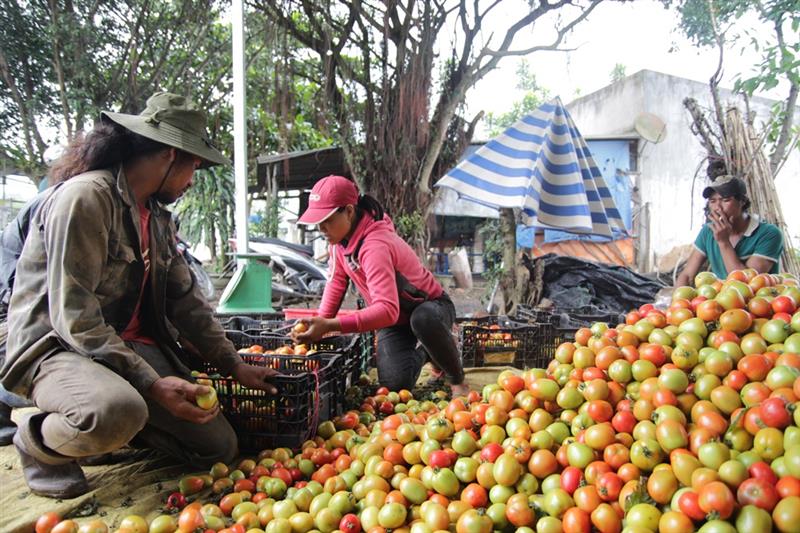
[(726, 186)]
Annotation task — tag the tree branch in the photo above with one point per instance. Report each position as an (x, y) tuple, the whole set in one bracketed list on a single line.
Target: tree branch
[(779, 152), (57, 66), (24, 114)]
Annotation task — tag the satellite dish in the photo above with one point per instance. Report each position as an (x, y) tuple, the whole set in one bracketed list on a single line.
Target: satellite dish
[(650, 127)]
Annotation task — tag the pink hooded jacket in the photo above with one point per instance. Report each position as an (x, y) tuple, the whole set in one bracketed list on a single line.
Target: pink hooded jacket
[(381, 257)]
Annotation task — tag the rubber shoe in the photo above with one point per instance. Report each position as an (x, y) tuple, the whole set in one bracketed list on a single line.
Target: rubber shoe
[(7, 426), (59, 477)]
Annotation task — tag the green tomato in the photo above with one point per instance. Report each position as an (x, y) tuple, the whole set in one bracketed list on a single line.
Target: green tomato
[(551, 482), (768, 443), (748, 458), (643, 515), (546, 524), (527, 484), (413, 490), (392, 515), (620, 371), (775, 331), (558, 430), (717, 526), (569, 398), (792, 342), (791, 436), (542, 440), (556, 502), (791, 460), (497, 512), (463, 443), (343, 502), (779, 467), (445, 482), (733, 473), (659, 336), (500, 493), (466, 469), (713, 454), (689, 340), (643, 369), (579, 455), (782, 376), (674, 380), (646, 454), (752, 518)]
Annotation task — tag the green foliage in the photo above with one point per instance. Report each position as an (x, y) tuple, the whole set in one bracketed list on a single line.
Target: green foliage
[(493, 247), (780, 52), (206, 211), (270, 219), (618, 72), (68, 60), (534, 96), (410, 226)]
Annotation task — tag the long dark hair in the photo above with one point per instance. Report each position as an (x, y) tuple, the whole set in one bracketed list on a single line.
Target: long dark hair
[(368, 204), (105, 146)]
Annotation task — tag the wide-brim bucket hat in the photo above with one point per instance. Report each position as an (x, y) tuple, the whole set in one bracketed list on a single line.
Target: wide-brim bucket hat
[(173, 120)]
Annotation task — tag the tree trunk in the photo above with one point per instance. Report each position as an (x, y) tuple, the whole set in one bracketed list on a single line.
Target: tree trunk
[(508, 228), (779, 152)]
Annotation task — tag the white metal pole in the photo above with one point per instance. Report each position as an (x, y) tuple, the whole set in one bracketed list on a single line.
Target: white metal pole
[(239, 127)]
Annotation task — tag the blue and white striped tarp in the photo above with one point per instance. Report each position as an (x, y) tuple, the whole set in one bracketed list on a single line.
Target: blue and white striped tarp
[(542, 166)]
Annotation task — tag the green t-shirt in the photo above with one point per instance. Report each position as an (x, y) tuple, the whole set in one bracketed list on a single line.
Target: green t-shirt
[(760, 239)]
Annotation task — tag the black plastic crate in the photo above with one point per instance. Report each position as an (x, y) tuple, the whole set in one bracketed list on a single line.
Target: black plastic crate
[(344, 374), (536, 315), (498, 341), (547, 338), (255, 323), (306, 391), (566, 317), (576, 318)]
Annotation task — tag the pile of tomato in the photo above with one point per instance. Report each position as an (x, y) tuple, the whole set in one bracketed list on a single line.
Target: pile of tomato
[(681, 419)]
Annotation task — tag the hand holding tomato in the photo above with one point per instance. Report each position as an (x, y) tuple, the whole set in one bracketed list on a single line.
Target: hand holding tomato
[(178, 396), (308, 330)]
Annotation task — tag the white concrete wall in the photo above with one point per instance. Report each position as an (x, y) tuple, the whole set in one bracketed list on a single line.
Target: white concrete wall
[(668, 168)]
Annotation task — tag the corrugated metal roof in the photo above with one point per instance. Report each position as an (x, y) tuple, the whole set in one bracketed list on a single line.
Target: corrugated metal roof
[(301, 169)]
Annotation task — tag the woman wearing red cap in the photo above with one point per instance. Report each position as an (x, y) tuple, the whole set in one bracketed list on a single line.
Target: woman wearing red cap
[(405, 303)]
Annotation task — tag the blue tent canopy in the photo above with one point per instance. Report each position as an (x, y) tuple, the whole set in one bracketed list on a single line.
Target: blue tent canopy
[(542, 166)]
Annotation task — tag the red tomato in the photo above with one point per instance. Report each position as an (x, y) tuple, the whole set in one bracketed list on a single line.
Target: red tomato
[(491, 452), (761, 470), (774, 413), (47, 521), (350, 524), (576, 521), (784, 304), (609, 485), (759, 493), (716, 496), (571, 478), (624, 421), (689, 504), (440, 459), (788, 486), (475, 495)]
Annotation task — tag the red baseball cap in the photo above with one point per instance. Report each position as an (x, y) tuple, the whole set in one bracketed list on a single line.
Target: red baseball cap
[(328, 195)]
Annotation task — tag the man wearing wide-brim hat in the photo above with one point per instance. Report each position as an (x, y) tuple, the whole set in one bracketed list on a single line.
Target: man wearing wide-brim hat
[(99, 289), (733, 238)]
